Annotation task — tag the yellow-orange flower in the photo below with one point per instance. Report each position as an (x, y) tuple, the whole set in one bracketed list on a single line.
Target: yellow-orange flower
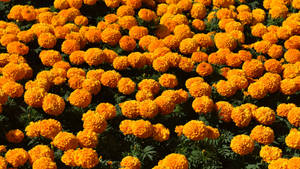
[(126, 86), (174, 161), (53, 104), (87, 138), (110, 78), (242, 144), (14, 136), (40, 151), (130, 162), (94, 121), (203, 105), (270, 153), (262, 134), (148, 109), (16, 157), (292, 140), (80, 98)]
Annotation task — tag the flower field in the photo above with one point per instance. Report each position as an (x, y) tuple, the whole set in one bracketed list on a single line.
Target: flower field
[(150, 84)]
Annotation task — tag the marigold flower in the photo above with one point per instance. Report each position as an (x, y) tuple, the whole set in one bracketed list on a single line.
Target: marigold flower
[(284, 32), (204, 69), (47, 40), (8, 38), (188, 46), (44, 162), (40, 151), (198, 88), (94, 74), (93, 35), (293, 116), (92, 85), (94, 121), (65, 141), (75, 82), (149, 85), (142, 129), (226, 88), (126, 22), (137, 60), (292, 55), (195, 130), (190, 81), (142, 95), (293, 162), (16, 157), (225, 40), (80, 98), (262, 134), (69, 46), (241, 116), (94, 56), (203, 105), (130, 162), (259, 30), (130, 108), (127, 43), (253, 68), (14, 136), (271, 81), (203, 40), (17, 48), (264, 115), (279, 163), (165, 104), (224, 110), (13, 71), (13, 89), (49, 128), (273, 66), (146, 14), (198, 11), (110, 78), (34, 97), (32, 130), (126, 86), (87, 138), (288, 86), (257, 90), (125, 10), (107, 110), (262, 46), (168, 80), (53, 104), (160, 132), (86, 158), (242, 144), (111, 36), (50, 57), (199, 57), (283, 109), (270, 153), (68, 158), (125, 127), (174, 161), (292, 139)]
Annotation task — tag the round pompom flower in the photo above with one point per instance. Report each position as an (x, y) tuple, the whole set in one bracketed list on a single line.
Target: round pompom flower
[(65, 141), (34, 97), (127, 43), (225, 88), (14, 136), (126, 126), (16, 157), (126, 86), (168, 80), (293, 163), (130, 108), (80, 98), (242, 144), (195, 130), (225, 40), (224, 110), (87, 138), (137, 60), (262, 134), (294, 116), (161, 64), (198, 11), (130, 162), (203, 105), (142, 129), (44, 163), (257, 90), (264, 115), (47, 40), (283, 109), (288, 86), (270, 153), (147, 14), (137, 32), (50, 57), (188, 46), (17, 48), (92, 85), (107, 110), (292, 140), (69, 46), (204, 69), (165, 104), (86, 158), (279, 163), (40, 151), (142, 95), (53, 104), (110, 78), (160, 132), (241, 116), (94, 56), (13, 89), (174, 161), (111, 36), (149, 85), (148, 109), (49, 128), (126, 22), (94, 121), (253, 68)]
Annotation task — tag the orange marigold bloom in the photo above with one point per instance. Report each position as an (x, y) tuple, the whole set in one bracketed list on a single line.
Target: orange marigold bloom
[(75, 82), (49, 128), (271, 37), (34, 96), (253, 68), (47, 40), (137, 60), (195, 130), (270, 153), (14, 136), (13, 89), (283, 109), (92, 85), (61, 4), (165, 104), (198, 24), (17, 48), (241, 82), (126, 22), (107, 110), (126, 86), (148, 109), (44, 162), (183, 31), (13, 71), (65, 141), (262, 134), (190, 81), (127, 43), (168, 80), (125, 127), (149, 85), (93, 35), (293, 162), (241, 116), (188, 46), (198, 88), (279, 163), (145, 41), (259, 30), (225, 40), (80, 98), (94, 74), (137, 32), (16, 157), (264, 115), (198, 11), (271, 81), (86, 158), (224, 110), (75, 3), (288, 86), (257, 90), (112, 3), (94, 56), (174, 161), (69, 46), (278, 11), (203, 40), (262, 46), (32, 130), (25, 36), (68, 158), (53, 104), (161, 64), (199, 57), (160, 132), (233, 60), (110, 78), (142, 95), (226, 88), (292, 140), (94, 121), (146, 14), (203, 105), (292, 55), (284, 32), (294, 116), (204, 69), (111, 36), (87, 138), (121, 63), (242, 144), (130, 162), (273, 66), (40, 151), (62, 65), (130, 108), (142, 129), (50, 57), (125, 10)]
